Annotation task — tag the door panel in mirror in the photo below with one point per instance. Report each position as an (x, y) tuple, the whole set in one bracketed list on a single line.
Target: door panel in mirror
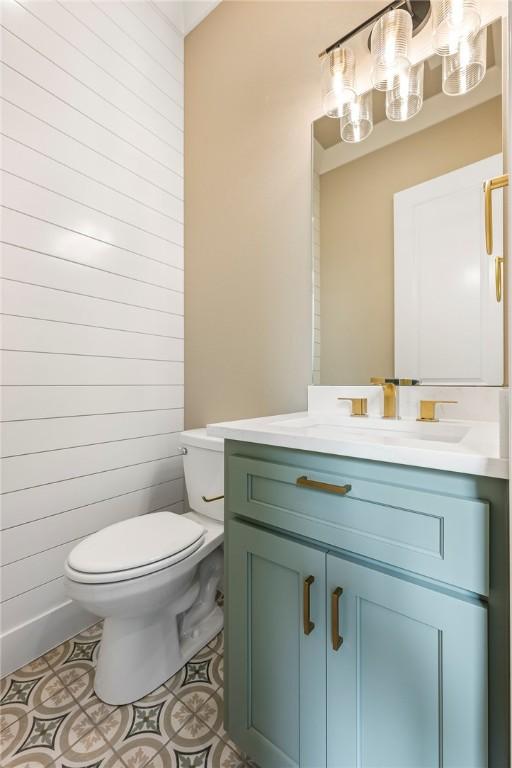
[(448, 322)]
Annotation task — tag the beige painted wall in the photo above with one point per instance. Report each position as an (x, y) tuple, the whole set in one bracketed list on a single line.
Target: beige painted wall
[(251, 93), (356, 237)]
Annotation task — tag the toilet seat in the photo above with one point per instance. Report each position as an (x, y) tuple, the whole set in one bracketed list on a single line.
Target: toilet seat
[(133, 548)]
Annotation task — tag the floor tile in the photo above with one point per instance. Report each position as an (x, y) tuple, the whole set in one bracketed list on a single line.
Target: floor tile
[(39, 737), (203, 672), (76, 657), (90, 750), (94, 708), (26, 689), (206, 750), (217, 644), (138, 731)]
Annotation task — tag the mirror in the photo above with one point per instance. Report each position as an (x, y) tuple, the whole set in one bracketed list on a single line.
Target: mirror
[(403, 285)]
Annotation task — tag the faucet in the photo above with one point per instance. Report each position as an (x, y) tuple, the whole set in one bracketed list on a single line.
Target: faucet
[(390, 389)]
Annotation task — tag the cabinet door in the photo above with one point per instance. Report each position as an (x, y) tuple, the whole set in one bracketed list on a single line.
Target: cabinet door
[(407, 688), (275, 673)]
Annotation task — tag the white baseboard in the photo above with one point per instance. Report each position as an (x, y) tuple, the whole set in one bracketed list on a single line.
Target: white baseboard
[(34, 638)]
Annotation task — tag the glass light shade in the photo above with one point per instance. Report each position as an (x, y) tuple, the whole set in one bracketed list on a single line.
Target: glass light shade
[(465, 69), (338, 72), (390, 40), (405, 99), (356, 122), (452, 22)]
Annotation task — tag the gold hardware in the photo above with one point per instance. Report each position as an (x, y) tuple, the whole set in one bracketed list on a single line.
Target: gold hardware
[(359, 405), (305, 482), (336, 638), (389, 389), (408, 382), (498, 267), (212, 498), (489, 186), (308, 624), (428, 409)]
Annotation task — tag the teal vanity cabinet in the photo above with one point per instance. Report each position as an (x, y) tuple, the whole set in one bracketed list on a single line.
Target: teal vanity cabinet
[(358, 624)]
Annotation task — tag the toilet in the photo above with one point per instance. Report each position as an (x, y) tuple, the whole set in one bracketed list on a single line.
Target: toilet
[(154, 578)]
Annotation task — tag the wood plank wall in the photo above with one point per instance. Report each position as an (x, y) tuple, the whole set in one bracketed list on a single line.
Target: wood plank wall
[(92, 291)]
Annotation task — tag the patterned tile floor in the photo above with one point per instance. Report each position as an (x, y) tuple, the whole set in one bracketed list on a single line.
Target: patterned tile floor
[(50, 716)]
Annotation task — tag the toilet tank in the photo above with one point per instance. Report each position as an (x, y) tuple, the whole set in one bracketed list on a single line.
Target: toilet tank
[(203, 464)]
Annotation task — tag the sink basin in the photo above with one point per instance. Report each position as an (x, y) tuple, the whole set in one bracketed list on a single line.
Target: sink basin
[(383, 431)]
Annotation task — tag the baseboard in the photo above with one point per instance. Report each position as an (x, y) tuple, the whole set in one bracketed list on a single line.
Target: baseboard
[(34, 638)]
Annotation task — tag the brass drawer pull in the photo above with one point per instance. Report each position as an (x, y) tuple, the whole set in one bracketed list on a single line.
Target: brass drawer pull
[(336, 638), (489, 186), (308, 624), (212, 498), (305, 482), (498, 269)]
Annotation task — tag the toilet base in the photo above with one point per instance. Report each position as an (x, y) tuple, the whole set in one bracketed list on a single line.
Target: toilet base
[(139, 653)]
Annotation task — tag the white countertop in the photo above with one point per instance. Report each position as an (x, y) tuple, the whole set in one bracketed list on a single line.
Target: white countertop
[(470, 447)]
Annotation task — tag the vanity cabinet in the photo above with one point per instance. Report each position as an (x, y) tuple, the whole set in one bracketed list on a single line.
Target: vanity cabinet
[(338, 659)]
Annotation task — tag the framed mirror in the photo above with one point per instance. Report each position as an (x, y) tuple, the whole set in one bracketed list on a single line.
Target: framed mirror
[(403, 284)]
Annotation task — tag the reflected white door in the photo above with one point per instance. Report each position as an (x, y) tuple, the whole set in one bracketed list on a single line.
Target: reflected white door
[(448, 322)]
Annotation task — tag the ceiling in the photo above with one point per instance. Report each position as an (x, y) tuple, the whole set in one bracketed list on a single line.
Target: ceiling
[(186, 14)]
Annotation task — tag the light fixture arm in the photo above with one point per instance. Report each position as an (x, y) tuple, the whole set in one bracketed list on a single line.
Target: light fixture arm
[(408, 5), (376, 16)]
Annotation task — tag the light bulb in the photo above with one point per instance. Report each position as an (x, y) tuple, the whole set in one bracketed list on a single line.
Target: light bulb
[(389, 44), (454, 21), (337, 80), (405, 99), (465, 69), (356, 122)]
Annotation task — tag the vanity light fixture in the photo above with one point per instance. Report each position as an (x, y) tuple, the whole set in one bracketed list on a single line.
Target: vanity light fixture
[(338, 74), (405, 99), (457, 36), (454, 21), (389, 44), (465, 69)]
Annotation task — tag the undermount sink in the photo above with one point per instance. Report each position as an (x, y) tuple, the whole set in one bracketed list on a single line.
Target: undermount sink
[(396, 432), (384, 431)]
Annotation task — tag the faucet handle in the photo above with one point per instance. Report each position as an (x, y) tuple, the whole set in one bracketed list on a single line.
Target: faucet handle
[(428, 409), (378, 380), (359, 405)]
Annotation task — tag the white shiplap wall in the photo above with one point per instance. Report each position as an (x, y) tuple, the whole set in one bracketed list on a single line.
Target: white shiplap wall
[(92, 291)]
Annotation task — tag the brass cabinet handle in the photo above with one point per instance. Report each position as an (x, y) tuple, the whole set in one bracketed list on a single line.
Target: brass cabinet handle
[(498, 267), (308, 624), (305, 482), (336, 638), (489, 186), (212, 498)]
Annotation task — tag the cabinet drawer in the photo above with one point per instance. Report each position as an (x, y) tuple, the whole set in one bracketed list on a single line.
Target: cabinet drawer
[(440, 536)]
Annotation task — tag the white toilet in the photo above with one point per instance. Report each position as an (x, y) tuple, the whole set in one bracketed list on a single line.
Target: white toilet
[(154, 579)]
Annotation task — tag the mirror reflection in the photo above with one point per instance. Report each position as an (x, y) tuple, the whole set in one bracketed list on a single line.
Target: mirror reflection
[(403, 285)]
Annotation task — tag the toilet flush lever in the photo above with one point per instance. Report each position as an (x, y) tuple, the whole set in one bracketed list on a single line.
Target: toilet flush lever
[(212, 498)]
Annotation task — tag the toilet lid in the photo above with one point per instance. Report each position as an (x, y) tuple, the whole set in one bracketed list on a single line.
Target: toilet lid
[(135, 542)]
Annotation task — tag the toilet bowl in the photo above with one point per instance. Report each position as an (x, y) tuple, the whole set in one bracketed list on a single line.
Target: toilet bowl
[(153, 579)]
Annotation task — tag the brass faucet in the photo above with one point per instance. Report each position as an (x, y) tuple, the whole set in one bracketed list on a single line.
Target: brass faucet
[(390, 396)]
